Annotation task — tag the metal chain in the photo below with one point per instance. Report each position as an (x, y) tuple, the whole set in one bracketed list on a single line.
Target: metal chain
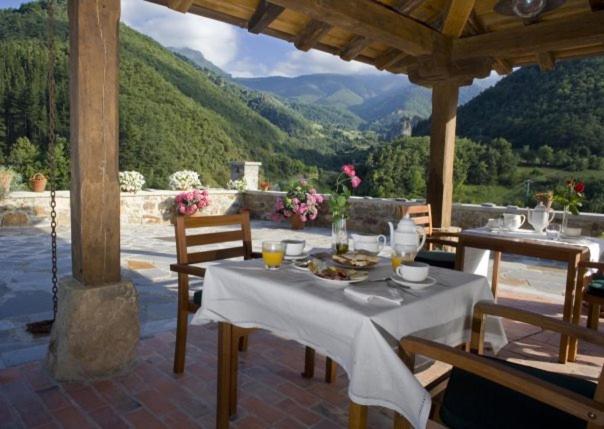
[(52, 164)]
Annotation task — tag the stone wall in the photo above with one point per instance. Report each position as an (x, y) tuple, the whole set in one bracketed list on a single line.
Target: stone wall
[(152, 207), (33, 209)]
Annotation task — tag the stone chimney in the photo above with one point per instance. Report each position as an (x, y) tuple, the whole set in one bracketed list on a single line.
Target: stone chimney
[(247, 170)]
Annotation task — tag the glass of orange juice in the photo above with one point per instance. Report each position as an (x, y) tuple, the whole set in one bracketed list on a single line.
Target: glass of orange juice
[(272, 254), (401, 255)]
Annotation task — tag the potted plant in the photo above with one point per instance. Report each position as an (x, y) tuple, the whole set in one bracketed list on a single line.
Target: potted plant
[(237, 185), (265, 186), (190, 202), (6, 178), (131, 181), (184, 180), (300, 204), (37, 182), (570, 197)]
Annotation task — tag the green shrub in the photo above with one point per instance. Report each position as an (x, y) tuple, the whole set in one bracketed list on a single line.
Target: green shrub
[(24, 157)]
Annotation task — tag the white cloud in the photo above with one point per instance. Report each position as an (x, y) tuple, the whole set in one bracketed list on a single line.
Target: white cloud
[(217, 41), (298, 62)]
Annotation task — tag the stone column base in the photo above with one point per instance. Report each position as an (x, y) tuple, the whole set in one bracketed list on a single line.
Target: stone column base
[(96, 330)]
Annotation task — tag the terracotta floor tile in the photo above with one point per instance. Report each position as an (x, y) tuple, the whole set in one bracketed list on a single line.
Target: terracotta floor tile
[(72, 418), (88, 399), (54, 398), (107, 418), (142, 419)]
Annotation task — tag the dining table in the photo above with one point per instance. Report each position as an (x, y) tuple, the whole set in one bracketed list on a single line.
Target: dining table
[(475, 245), (357, 325)]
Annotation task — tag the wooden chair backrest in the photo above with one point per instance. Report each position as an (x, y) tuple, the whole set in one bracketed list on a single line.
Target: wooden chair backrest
[(420, 213), (184, 241)]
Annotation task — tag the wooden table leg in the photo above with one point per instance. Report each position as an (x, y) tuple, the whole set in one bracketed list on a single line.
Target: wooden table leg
[(460, 255), (400, 422), (331, 369), (234, 365), (576, 317), (495, 279), (225, 341), (357, 416), (571, 281), (309, 363)]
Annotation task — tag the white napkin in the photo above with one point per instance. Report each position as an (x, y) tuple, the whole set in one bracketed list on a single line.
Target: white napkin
[(378, 294)]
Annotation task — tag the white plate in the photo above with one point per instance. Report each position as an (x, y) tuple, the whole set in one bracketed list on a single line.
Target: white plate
[(296, 257), (429, 281), (297, 267), (361, 278)]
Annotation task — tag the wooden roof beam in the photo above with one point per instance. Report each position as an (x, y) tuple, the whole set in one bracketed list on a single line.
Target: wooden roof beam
[(567, 33), (354, 47), (502, 67), (457, 16), (429, 71), (546, 61), (374, 21), (263, 16), (180, 5), (311, 34), (406, 6), (389, 58)]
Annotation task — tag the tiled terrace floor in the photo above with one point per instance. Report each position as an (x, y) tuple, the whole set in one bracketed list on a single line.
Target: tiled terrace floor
[(272, 393)]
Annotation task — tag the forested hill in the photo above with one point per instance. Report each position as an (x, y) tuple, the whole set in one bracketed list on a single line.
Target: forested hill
[(562, 108), (173, 114)]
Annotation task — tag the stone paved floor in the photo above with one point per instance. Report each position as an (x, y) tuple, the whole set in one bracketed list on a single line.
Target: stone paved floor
[(147, 251), (272, 393)]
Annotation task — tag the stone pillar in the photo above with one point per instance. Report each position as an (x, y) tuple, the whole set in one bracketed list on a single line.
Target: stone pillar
[(97, 327), (442, 152), (249, 171)]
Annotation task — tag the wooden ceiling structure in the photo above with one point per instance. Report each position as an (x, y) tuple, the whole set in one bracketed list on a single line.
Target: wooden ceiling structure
[(443, 44)]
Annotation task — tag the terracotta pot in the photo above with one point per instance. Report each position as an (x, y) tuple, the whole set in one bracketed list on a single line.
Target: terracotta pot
[(296, 222), (38, 182)]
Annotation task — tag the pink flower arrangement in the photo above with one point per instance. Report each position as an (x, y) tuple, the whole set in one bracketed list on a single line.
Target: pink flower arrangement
[(338, 202), (302, 200), (188, 203)]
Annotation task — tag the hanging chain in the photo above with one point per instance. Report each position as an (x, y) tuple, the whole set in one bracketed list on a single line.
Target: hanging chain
[(52, 164)]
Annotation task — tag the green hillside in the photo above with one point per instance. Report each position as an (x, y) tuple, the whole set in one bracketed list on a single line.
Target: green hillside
[(563, 109), (173, 114)]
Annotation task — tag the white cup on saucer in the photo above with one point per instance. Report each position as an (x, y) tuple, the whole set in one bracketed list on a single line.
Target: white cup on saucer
[(413, 271), (294, 247)]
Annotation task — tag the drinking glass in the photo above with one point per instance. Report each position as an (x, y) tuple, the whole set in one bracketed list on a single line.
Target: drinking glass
[(272, 254), (401, 255), (553, 231)]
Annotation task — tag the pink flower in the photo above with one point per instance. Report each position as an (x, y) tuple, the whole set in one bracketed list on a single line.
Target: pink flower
[(348, 169), (302, 208), (303, 218), (276, 217), (182, 209), (355, 181), (319, 198)]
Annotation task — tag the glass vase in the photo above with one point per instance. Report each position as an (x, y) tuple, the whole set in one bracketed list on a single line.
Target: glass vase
[(339, 235), (565, 217)]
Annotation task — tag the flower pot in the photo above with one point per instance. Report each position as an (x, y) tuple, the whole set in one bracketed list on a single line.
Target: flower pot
[(6, 177), (296, 223), (37, 182)]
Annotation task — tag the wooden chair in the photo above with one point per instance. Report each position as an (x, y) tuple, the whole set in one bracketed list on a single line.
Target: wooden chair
[(482, 392), (185, 267), (422, 216), (593, 291)]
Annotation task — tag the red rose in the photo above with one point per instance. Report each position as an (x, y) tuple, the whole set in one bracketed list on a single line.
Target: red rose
[(580, 187)]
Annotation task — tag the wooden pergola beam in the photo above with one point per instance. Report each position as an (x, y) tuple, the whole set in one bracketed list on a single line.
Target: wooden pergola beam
[(502, 66), (457, 16), (354, 47), (389, 58), (406, 6), (263, 16), (180, 5), (546, 61), (311, 34), (579, 30), (374, 21)]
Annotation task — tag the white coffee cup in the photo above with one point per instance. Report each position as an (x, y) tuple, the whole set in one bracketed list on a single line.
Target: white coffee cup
[(513, 221), (294, 247), (413, 271)]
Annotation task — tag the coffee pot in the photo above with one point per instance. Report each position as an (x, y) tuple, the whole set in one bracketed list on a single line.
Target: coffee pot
[(540, 217), (407, 234)]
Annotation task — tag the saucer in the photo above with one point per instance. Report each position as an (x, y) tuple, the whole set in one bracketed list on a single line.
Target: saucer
[(427, 282), (302, 255)]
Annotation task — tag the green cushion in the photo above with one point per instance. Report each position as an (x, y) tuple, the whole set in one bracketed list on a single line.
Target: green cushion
[(473, 402), (437, 258), (596, 286), (197, 297)]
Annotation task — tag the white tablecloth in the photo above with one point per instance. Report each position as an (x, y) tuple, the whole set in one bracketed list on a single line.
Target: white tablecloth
[(476, 261), (361, 337)]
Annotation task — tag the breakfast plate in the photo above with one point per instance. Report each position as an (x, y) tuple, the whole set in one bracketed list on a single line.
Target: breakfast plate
[(356, 260), (303, 255), (335, 275)]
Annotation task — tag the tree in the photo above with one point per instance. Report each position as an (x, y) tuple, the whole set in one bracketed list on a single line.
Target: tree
[(63, 172), (25, 158), (546, 155)]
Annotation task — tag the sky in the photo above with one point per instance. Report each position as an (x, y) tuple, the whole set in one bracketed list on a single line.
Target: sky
[(231, 48)]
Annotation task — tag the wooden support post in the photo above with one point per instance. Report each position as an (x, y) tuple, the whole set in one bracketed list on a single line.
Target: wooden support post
[(331, 370), (309, 362), (442, 152), (94, 124), (357, 416)]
